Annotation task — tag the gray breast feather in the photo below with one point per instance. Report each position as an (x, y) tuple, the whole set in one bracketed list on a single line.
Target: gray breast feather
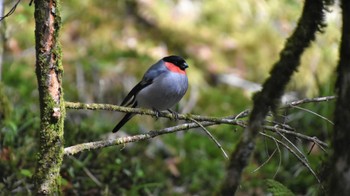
[(165, 91)]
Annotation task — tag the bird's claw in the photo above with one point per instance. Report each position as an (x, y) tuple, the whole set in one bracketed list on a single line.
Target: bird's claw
[(157, 112), (175, 114)]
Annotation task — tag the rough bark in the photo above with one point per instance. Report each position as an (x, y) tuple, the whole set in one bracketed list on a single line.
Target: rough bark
[(52, 111), (339, 181), (2, 37), (311, 21)]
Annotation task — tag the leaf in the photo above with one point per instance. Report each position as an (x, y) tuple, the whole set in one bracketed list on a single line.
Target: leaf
[(26, 172), (277, 188)]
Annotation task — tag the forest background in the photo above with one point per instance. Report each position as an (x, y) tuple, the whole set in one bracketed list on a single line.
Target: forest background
[(108, 45)]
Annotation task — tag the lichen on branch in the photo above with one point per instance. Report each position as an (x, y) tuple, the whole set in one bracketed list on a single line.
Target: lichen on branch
[(52, 110)]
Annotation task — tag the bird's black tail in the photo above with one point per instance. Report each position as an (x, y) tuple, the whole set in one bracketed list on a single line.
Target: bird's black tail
[(125, 119)]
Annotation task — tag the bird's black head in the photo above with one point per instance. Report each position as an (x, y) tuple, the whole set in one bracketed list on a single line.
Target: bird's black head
[(176, 60)]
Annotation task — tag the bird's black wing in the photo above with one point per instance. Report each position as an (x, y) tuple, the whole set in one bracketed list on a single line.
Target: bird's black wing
[(153, 72), (130, 98), (125, 119)]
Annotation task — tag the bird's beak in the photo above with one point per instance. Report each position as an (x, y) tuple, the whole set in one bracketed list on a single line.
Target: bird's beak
[(184, 66)]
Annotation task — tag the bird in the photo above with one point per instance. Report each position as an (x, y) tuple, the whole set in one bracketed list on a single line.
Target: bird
[(162, 86)]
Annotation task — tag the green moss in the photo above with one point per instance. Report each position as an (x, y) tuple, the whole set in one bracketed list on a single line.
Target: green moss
[(5, 105), (50, 156)]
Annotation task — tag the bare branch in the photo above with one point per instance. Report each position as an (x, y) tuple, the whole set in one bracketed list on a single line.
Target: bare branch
[(264, 163), (87, 171), (314, 139), (298, 135), (309, 100), (303, 161), (314, 113), (294, 146), (12, 10), (280, 159), (212, 137)]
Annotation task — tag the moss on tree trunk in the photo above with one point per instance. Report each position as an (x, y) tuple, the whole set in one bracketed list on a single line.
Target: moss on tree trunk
[(52, 111), (339, 177), (311, 21)]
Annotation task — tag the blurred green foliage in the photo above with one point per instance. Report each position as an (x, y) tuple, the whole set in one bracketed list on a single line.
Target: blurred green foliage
[(277, 188), (107, 46)]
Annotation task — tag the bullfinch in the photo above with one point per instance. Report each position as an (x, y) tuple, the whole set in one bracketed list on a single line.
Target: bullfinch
[(162, 86)]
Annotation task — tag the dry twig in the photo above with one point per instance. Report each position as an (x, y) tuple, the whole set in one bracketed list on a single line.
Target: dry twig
[(303, 161), (12, 10), (314, 113), (212, 137)]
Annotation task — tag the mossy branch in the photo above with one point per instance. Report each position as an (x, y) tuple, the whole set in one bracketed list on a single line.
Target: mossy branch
[(205, 122), (71, 150), (186, 117), (141, 111)]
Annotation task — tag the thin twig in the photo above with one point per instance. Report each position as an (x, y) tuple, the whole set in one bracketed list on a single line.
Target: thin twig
[(242, 114), (314, 113), (87, 171), (312, 147), (298, 135), (12, 10), (294, 146), (280, 158), (281, 125), (314, 139), (93, 178), (270, 156), (294, 153), (212, 137), (308, 100)]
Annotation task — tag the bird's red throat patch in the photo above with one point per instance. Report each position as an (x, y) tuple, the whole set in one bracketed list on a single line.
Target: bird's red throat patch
[(174, 68)]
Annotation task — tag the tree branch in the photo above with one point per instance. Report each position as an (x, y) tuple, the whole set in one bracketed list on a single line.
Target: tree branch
[(299, 157), (11, 11), (205, 122), (187, 117), (124, 140), (308, 100), (142, 111), (212, 137)]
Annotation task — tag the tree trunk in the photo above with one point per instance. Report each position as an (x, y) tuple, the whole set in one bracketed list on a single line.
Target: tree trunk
[(2, 37), (339, 181), (49, 71), (311, 21)]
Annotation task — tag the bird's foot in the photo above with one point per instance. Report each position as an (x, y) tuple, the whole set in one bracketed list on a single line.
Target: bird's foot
[(157, 112), (175, 114)]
